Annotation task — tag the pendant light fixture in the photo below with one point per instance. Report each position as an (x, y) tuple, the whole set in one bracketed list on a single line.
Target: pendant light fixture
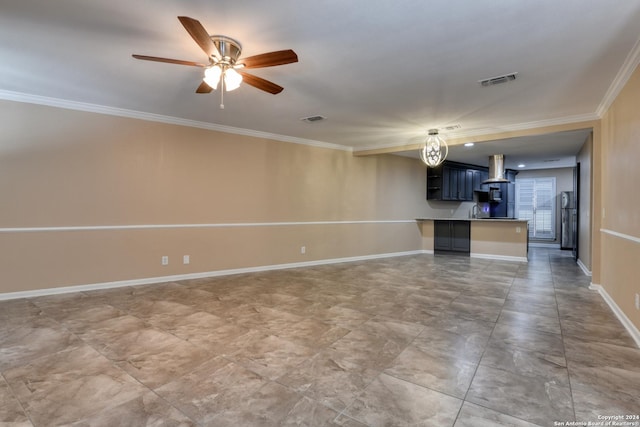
[(435, 149)]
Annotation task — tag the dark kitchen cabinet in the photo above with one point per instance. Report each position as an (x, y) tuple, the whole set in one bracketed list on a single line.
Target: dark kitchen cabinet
[(452, 236), (447, 182), (467, 189), (479, 176), (459, 184), (454, 181), (450, 183)]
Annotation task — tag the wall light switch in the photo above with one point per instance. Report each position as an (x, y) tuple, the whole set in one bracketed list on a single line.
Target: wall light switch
[(518, 229), (303, 250), (165, 260), (185, 259), (637, 301)]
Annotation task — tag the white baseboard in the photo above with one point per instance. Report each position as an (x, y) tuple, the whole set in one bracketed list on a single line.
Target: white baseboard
[(499, 257), (583, 267), (162, 279), (629, 326)]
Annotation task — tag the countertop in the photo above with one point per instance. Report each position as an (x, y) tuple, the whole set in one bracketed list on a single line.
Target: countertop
[(474, 219)]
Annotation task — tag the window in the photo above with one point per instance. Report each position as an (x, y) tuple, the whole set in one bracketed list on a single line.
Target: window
[(535, 202)]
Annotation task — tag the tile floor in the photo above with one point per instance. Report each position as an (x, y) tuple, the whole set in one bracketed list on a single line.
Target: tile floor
[(417, 340)]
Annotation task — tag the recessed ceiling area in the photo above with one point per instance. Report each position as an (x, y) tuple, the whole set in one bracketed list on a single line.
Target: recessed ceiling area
[(553, 150)]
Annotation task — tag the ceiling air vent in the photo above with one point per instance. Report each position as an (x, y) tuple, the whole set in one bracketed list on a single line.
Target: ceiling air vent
[(313, 119), (498, 79)]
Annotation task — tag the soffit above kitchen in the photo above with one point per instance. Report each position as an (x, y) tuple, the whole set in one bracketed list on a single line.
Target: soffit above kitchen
[(380, 73), (545, 151)]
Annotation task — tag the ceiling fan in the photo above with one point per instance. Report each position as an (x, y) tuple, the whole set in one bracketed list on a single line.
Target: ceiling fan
[(224, 65)]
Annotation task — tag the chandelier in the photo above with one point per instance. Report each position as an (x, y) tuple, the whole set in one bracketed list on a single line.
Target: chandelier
[(435, 149)]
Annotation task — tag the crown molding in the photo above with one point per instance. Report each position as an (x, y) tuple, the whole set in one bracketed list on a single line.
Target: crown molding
[(579, 118), (624, 74), (141, 115)]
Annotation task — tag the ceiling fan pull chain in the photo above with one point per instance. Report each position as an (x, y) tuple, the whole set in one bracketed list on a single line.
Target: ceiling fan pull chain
[(221, 93)]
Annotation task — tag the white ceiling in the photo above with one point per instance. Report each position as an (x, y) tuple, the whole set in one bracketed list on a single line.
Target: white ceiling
[(382, 72)]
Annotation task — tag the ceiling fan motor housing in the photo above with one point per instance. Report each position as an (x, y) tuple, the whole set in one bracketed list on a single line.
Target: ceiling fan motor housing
[(229, 48)]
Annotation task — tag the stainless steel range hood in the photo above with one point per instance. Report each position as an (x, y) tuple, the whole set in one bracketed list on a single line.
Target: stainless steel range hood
[(496, 169)]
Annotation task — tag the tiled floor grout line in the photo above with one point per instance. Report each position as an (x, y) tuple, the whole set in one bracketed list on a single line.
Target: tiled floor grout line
[(27, 414), (464, 399), (111, 362), (560, 271), (564, 346)]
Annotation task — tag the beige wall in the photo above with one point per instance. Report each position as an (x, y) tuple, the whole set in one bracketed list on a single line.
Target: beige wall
[(64, 168), (618, 248), (501, 238), (564, 182), (428, 235)]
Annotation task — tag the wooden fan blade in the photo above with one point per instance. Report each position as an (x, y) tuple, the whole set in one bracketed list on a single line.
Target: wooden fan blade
[(270, 59), (260, 83), (169, 60), (204, 88), (200, 35)]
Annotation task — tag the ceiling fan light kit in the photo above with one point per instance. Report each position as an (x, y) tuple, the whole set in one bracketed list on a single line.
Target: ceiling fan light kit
[(223, 67), (224, 64), (435, 149), (212, 77)]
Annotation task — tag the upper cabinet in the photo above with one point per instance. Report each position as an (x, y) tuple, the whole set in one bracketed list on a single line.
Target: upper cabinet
[(454, 181)]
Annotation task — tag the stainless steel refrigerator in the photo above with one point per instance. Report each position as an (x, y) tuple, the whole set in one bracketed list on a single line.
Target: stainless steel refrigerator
[(568, 220)]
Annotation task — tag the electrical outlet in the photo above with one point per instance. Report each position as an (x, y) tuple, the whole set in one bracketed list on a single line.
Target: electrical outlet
[(637, 301), (186, 259), (303, 250), (518, 229), (165, 260)]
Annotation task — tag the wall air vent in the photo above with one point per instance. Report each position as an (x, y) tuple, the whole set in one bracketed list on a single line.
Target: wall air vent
[(313, 119), (498, 79)]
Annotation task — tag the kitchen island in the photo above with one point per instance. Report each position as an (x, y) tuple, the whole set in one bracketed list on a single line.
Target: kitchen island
[(491, 238)]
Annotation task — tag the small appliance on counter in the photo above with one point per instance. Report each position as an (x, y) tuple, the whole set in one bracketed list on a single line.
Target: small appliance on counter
[(482, 208)]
